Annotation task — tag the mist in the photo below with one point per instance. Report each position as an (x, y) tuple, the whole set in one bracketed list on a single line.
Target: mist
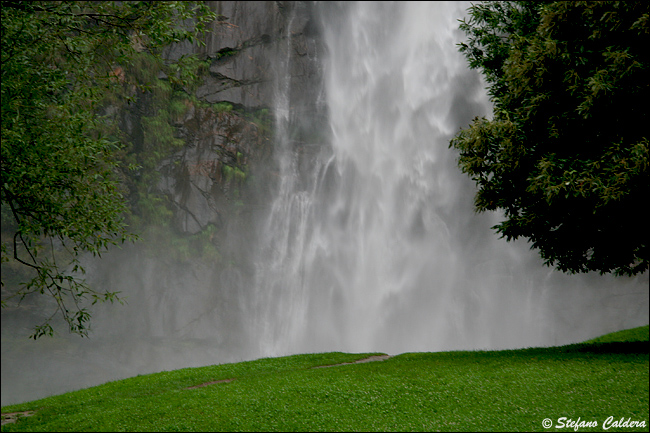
[(368, 241)]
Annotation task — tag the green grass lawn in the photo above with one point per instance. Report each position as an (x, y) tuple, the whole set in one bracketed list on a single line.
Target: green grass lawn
[(511, 390)]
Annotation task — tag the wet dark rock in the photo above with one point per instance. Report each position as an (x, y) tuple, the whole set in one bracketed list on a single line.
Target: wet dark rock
[(248, 46)]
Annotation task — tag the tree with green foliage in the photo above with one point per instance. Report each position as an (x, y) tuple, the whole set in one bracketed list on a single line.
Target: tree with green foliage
[(61, 193), (565, 155)]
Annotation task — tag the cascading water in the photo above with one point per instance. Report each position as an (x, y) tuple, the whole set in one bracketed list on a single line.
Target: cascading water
[(380, 249), (283, 230), (370, 243)]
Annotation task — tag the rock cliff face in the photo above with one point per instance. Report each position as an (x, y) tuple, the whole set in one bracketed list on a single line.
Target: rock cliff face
[(226, 167), (263, 57), (185, 307)]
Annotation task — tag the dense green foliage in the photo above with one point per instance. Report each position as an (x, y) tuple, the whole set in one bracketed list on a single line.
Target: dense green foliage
[(512, 390), (61, 192), (565, 155)]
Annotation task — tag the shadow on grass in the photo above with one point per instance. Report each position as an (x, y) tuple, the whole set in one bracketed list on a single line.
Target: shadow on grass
[(614, 347)]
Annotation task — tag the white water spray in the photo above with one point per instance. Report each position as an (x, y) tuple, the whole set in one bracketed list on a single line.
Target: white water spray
[(371, 242), (380, 250)]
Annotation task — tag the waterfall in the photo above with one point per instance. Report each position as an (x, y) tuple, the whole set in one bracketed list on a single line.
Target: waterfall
[(377, 246), (369, 240), (278, 293)]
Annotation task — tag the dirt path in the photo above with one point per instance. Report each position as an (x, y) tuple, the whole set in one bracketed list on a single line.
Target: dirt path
[(368, 359), (8, 418)]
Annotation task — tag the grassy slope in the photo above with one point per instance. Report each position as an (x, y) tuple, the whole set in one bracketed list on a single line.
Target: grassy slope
[(477, 391)]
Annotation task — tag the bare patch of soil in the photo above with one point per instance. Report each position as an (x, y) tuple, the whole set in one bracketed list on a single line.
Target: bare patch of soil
[(210, 383), (11, 417)]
